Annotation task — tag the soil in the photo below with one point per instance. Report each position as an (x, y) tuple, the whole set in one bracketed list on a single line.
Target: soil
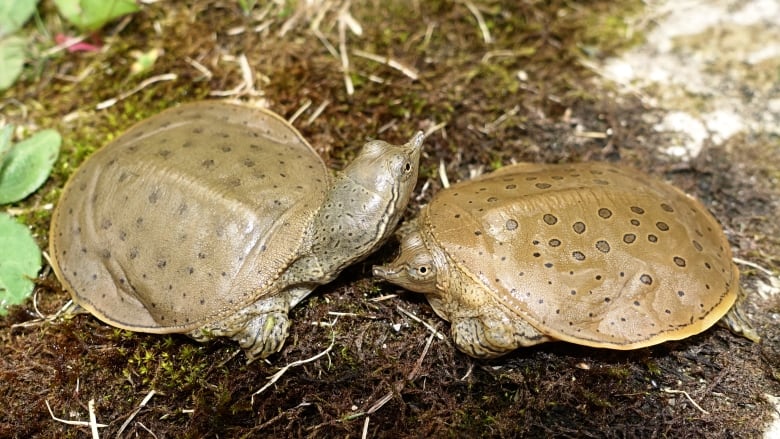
[(363, 358)]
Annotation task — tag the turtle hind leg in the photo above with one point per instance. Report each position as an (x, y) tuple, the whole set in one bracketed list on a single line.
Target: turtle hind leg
[(491, 335), (260, 328), (737, 322)]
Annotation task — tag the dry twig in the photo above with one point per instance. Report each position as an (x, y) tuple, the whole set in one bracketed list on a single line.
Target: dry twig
[(275, 377)]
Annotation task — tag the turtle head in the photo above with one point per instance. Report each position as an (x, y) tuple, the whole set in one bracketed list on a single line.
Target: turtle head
[(389, 172), (414, 268)]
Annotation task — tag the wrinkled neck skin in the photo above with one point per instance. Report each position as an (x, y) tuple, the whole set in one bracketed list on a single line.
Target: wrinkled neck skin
[(360, 211), (354, 220)]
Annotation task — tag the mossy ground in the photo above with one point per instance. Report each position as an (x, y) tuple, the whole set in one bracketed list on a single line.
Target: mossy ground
[(518, 98)]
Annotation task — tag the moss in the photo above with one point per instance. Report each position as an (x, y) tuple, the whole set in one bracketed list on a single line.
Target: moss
[(464, 82)]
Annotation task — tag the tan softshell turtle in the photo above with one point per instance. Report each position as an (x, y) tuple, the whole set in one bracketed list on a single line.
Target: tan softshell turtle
[(214, 219), (591, 253)]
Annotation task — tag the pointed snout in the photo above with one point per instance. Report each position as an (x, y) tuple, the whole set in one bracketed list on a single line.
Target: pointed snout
[(380, 271), (415, 144)]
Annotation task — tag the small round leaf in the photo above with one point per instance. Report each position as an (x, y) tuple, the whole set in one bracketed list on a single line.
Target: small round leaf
[(12, 53), (20, 261), (27, 165)]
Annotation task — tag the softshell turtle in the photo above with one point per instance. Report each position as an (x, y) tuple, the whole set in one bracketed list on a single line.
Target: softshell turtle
[(591, 253), (214, 219)]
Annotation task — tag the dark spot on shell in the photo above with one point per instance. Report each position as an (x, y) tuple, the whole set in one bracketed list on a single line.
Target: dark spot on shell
[(681, 293), (679, 261), (636, 303), (696, 245), (602, 246), (162, 263), (510, 224), (202, 301), (164, 153), (579, 227), (208, 163), (492, 200), (543, 185), (122, 235), (646, 279), (554, 242), (225, 148), (637, 210), (105, 254), (578, 255), (548, 264), (535, 242), (248, 163), (652, 238), (668, 311), (662, 226), (707, 264), (573, 292), (601, 182), (511, 186), (477, 233), (457, 215), (607, 299), (605, 213), (629, 238), (667, 207), (154, 196), (549, 219), (537, 254), (105, 224)]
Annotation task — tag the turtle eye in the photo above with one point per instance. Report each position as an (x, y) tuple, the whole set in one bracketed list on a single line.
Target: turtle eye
[(423, 271), (407, 167)]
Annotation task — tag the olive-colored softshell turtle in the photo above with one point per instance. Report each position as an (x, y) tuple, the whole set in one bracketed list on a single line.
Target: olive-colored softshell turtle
[(591, 253), (214, 219)]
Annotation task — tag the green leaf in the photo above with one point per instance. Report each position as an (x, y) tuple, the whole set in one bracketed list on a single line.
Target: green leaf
[(12, 54), (27, 165), (91, 15), (14, 13), (20, 261), (5, 140)]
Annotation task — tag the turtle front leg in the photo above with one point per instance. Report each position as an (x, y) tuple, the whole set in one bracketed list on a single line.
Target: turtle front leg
[(260, 328), (493, 332)]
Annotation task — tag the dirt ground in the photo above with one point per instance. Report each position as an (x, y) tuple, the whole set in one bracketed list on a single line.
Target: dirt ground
[(511, 81)]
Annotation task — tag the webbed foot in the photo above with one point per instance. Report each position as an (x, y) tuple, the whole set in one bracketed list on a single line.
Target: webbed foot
[(485, 337), (260, 328)]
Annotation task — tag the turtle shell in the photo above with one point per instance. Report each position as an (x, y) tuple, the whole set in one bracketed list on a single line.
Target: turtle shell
[(590, 253), (187, 217)]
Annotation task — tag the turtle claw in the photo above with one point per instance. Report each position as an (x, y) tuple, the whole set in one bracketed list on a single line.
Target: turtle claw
[(485, 337), (264, 335)]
